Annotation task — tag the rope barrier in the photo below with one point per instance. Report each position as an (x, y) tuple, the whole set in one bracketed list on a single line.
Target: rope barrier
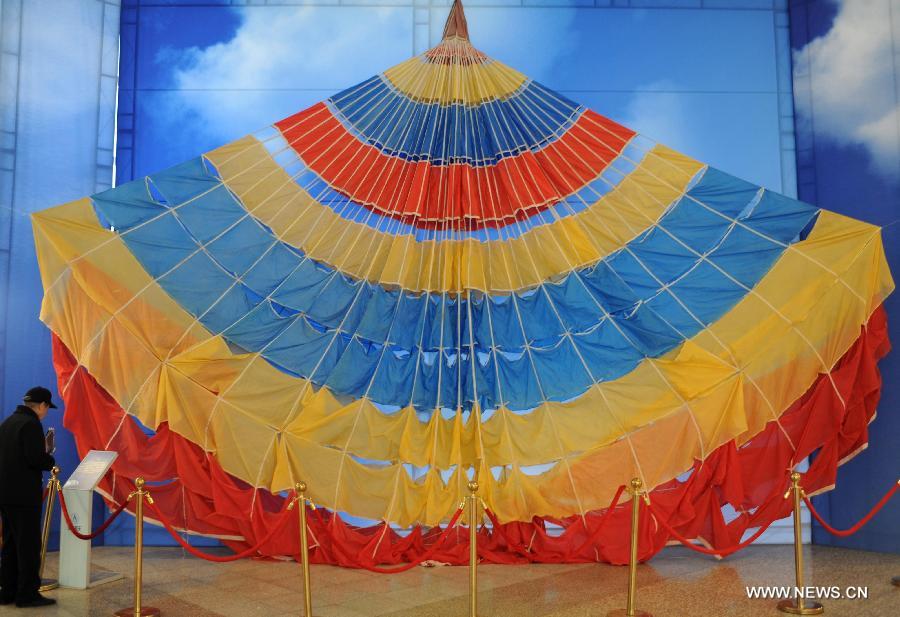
[(88, 536), (702, 549), (421, 558), (712, 551), (285, 517), (843, 533), (601, 523)]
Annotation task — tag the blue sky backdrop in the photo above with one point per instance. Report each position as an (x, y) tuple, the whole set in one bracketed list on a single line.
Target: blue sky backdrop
[(847, 87), (705, 82)]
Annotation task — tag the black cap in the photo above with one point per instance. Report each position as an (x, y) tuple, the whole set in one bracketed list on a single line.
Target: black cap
[(39, 394)]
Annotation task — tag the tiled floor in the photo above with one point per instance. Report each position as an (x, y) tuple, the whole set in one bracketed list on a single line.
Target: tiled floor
[(675, 583)]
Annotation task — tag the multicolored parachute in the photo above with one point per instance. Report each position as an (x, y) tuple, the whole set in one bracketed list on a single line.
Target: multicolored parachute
[(451, 268)]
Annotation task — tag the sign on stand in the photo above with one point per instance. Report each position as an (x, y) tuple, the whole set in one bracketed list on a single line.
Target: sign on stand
[(75, 554)]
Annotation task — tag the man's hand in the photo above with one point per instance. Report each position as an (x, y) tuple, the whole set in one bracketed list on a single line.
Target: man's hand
[(50, 441)]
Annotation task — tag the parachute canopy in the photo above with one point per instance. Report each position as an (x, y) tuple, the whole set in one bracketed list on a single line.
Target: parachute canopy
[(450, 267)]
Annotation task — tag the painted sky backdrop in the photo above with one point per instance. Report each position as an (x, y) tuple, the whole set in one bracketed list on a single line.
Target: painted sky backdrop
[(705, 82), (847, 84), (846, 77)]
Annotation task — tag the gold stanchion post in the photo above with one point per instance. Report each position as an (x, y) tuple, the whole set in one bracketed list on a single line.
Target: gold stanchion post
[(48, 584), (630, 611), (300, 500), (137, 610), (473, 548), (801, 606)]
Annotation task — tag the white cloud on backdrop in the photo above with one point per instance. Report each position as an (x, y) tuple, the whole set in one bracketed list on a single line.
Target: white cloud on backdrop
[(851, 68), (252, 79), (659, 111), (268, 65), (58, 102), (281, 60)]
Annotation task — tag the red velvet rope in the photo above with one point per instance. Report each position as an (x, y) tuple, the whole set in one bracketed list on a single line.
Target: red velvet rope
[(99, 530), (843, 533), (497, 525), (219, 558), (702, 549), (603, 519), (714, 551), (421, 558)]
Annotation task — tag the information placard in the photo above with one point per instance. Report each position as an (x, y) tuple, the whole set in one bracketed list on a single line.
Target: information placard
[(91, 470), (74, 553)]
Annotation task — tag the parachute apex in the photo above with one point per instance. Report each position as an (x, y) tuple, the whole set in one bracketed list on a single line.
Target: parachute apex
[(456, 22)]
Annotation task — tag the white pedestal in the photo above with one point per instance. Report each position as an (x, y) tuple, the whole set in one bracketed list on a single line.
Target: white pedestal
[(74, 553)]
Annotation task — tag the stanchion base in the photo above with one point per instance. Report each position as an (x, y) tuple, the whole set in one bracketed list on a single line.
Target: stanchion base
[(48, 584), (809, 608), (146, 611), (622, 612)]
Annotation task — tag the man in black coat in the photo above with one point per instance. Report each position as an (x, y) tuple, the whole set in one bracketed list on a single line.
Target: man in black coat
[(23, 456)]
